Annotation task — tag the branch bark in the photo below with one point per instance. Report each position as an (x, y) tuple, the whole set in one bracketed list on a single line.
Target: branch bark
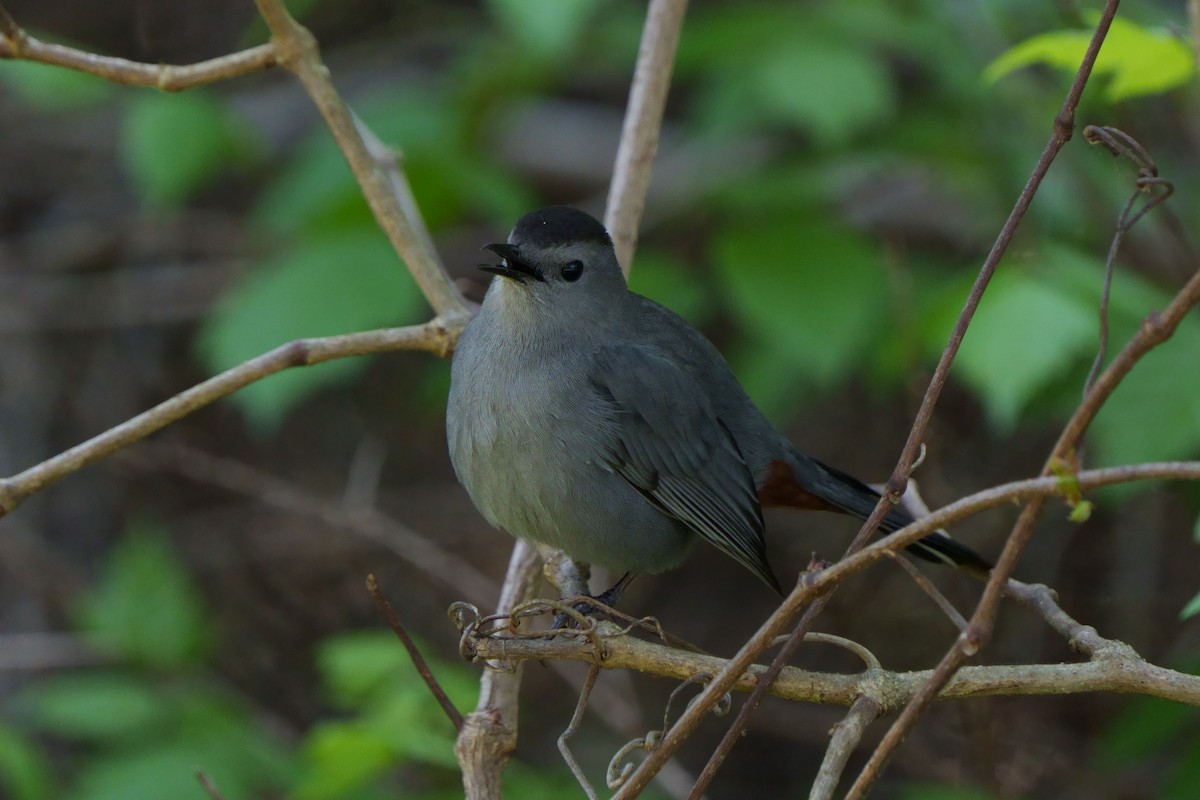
[(643, 121), (436, 337)]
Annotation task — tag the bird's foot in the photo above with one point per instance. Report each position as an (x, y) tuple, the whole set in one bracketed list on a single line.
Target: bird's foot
[(593, 606)]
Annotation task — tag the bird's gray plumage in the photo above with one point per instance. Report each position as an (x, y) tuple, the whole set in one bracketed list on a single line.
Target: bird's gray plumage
[(589, 418)]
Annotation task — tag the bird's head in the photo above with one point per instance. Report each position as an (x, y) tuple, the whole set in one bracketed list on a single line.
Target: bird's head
[(557, 261)]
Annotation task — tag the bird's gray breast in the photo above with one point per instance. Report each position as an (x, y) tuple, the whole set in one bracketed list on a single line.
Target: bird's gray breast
[(528, 433)]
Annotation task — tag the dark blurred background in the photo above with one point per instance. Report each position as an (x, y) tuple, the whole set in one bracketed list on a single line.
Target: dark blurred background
[(831, 176)]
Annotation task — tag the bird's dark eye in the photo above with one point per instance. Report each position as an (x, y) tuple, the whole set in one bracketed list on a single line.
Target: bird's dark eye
[(571, 271)]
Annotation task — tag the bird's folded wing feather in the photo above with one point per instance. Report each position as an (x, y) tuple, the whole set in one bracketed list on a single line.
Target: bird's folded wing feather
[(668, 443)]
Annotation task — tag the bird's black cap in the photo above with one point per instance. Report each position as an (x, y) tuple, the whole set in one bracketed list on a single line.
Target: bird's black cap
[(558, 225)]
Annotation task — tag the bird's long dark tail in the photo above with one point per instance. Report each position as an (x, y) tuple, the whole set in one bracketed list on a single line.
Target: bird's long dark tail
[(849, 495)]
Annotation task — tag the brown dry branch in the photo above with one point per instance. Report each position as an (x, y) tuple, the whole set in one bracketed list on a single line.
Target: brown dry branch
[(393, 620), (489, 734), (843, 740), (16, 43), (1115, 669), (577, 719), (1061, 132), (1155, 330), (436, 336), (1149, 186), (643, 121), (294, 48), (297, 51), (210, 788)]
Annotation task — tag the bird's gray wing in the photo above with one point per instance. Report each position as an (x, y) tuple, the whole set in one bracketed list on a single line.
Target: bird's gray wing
[(666, 440)]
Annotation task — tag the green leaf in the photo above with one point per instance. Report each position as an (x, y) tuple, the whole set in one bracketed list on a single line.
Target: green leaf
[(167, 771), (1140, 61), (1082, 511), (53, 88), (830, 90), (172, 144), (1191, 609), (340, 758), (95, 705), (1023, 337), (811, 294), (25, 771), (146, 608), (1154, 414), (549, 28), (338, 283), (359, 667)]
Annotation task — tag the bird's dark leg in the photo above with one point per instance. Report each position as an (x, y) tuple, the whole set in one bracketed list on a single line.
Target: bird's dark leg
[(609, 597), (612, 595)]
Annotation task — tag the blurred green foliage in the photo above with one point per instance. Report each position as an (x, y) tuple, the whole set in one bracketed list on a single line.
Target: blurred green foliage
[(809, 292), (142, 726)]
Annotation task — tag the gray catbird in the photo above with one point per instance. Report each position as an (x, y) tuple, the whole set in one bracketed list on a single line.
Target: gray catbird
[(586, 417)]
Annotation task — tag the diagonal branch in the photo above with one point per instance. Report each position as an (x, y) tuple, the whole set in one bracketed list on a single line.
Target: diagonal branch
[(643, 121), (16, 43), (436, 337), (297, 52)]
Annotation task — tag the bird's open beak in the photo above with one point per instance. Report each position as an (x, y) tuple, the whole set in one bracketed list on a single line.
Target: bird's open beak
[(513, 267)]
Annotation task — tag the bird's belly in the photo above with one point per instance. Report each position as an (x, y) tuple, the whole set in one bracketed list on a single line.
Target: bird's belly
[(544, 491)]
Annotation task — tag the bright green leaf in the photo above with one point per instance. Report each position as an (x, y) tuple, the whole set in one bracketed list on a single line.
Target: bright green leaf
[(53, 88), (1023, 337), (25, 771), (1081, 511), (1140, 61), (173, 144), (146, 608), (546, 27), (340, 283), (94, 705)]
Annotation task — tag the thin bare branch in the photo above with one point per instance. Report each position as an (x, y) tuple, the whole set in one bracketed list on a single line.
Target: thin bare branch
[(297, 51), (577, 718), (1115, 671), (643, 120), (930, 590), (489, 734), (1148, 184), (437, 337), (393, 620), (210, 788), (846, 736), (16, 43)]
